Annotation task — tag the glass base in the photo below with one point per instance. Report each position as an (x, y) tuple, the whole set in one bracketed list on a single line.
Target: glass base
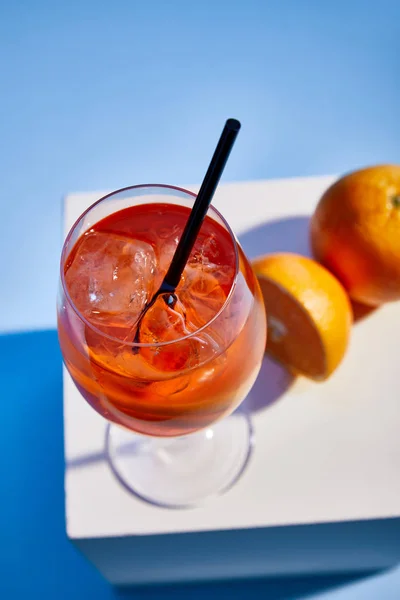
[(185, 471)]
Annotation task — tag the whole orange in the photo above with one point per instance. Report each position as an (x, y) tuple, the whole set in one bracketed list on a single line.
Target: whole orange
[(355, 233)]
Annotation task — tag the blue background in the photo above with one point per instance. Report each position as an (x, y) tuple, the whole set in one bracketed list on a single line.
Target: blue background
[(99, 95)]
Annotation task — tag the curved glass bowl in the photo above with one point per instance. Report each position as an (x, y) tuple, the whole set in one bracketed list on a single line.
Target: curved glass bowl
[(154, 392)]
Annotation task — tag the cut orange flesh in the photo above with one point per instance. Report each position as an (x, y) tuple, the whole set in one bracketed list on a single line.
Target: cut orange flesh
[(309, 314)]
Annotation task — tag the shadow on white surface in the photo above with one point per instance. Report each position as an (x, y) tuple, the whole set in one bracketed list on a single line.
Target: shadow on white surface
[(272, 382), (282, 235), (86, 460)]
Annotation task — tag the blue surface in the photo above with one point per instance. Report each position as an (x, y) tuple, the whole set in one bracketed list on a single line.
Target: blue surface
[(99, 95), (36, 559)]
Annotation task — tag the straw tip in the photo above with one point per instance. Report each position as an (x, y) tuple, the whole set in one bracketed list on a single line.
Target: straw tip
[(233, 124)]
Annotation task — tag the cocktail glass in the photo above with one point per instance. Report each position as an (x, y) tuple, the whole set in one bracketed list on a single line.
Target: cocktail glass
[(174, 436)]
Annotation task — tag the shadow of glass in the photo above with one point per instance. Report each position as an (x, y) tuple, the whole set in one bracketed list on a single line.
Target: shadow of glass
[(272, 382), (277, 588), (281, 235), (95, 457), (87, 459)]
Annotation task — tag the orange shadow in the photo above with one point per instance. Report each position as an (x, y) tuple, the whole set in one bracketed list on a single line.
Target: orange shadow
[(361, 311)]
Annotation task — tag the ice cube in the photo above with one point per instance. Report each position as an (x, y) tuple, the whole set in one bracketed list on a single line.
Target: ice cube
[(111, 278), (168, 238), (166, 232), (206, 259), (204, 289), (209, 248), (165, 323)]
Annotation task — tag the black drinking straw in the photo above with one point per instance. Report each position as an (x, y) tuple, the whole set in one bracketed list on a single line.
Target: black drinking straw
[(196, 217)]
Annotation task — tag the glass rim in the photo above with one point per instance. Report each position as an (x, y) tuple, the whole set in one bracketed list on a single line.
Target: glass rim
[(132, 344)]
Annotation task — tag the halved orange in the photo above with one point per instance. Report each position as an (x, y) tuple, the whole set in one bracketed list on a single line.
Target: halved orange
[(308, 311)]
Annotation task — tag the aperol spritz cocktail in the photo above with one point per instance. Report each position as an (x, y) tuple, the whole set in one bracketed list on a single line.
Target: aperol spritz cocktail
[(194, 361)]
